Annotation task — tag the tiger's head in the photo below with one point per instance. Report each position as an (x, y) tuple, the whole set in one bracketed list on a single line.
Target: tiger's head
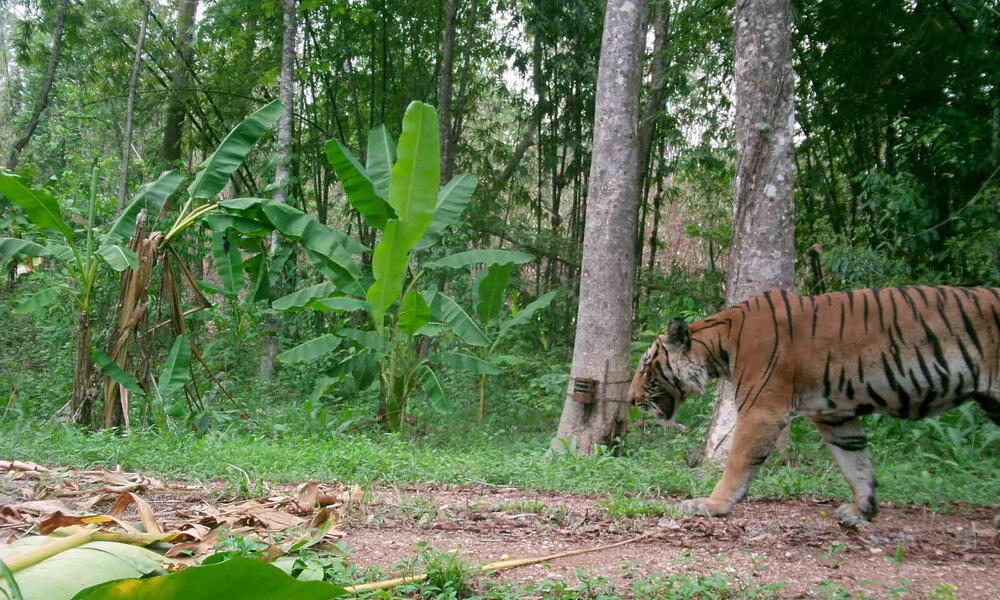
[(667, 374)]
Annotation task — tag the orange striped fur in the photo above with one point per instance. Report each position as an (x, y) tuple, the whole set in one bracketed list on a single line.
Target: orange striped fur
[(909, 352)]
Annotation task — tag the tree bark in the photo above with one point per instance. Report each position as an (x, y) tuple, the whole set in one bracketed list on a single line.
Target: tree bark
[(445, 89), (604, 319), (654, 100), (130, 111), (43, 95), (173, 129), (762, 249), (283, 171)]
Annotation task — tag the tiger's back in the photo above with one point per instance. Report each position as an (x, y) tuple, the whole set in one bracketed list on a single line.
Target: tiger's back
[(909, 352)]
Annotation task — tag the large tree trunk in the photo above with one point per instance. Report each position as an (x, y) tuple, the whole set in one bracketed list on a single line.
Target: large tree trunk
[(444, 89), (130, 111), (604, 319), (762, 250), (283, 171), (173, 129), (43, 95)]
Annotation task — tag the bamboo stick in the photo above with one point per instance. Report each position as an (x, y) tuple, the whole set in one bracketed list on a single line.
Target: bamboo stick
[(57, 545), (500, 565)]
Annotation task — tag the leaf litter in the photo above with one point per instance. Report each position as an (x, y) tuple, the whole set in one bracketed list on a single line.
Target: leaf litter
[(35, 499)]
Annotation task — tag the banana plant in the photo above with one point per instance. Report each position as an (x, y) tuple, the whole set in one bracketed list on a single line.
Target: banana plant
[(81, 255), (485, 331), (397, 192), (79, 261)]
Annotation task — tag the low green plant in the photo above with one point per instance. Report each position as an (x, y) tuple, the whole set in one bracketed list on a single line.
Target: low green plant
[(625, 506), (523, 506), (833, 556), (448, 577)]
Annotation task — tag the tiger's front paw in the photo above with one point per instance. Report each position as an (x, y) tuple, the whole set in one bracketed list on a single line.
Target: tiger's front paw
[(850, 515), (705, 507)]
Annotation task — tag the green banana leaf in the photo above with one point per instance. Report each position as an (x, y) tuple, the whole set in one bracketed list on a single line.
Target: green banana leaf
[(414, 313), (221, 222), (363, 368), (465, 362), (261, 278), (310, 350), (389, 267), (301, 298), (340, 303), (488, 257), (358, 185), (150, 196), (381, 156), (228, 261), (490, 290), (369, 340), (525, 314), (176, 370), (11, 247), (432, 388), (40, 208), (448, 311), (36, 302), (62, 576), (118, 257), (451, 203), (413, 184), (213, 174), (317, 237), (115, 372), (236, 579)]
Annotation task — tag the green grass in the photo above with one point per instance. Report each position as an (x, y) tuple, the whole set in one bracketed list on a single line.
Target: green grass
[(620, 505), (370, 458)]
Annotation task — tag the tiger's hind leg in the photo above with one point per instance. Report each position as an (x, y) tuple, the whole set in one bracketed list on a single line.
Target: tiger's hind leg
[(849, 446), (991, 406)]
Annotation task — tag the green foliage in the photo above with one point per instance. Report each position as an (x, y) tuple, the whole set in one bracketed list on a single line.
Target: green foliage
[(214, 172), (62, 576), (235, 578)]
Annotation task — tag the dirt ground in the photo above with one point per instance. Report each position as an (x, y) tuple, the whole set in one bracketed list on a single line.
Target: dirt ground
[(908, 552), (795, 543)]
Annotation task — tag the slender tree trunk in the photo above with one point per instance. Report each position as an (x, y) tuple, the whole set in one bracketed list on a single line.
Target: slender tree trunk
[(654, 99), (762, 250), (130, 111), (83, 392), (604, 319), (283, 171), (445, 89), (43, 95), (173, 130)]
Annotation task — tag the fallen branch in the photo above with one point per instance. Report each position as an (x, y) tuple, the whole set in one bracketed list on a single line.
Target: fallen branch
[(501, 565)]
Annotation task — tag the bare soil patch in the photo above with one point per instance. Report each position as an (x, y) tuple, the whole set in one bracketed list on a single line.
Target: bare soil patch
[(796, 543)]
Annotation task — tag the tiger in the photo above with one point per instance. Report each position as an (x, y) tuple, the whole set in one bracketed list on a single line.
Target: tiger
[(909, 352)]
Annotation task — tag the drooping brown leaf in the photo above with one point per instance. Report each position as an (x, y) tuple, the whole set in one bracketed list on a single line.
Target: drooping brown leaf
[(146, 515)]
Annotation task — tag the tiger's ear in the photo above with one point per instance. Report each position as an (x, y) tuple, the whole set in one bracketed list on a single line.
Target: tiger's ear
[(678, 336)]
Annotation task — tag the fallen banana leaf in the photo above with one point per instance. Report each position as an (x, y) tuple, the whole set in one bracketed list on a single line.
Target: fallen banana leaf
[(64, 574), (236, 578)]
